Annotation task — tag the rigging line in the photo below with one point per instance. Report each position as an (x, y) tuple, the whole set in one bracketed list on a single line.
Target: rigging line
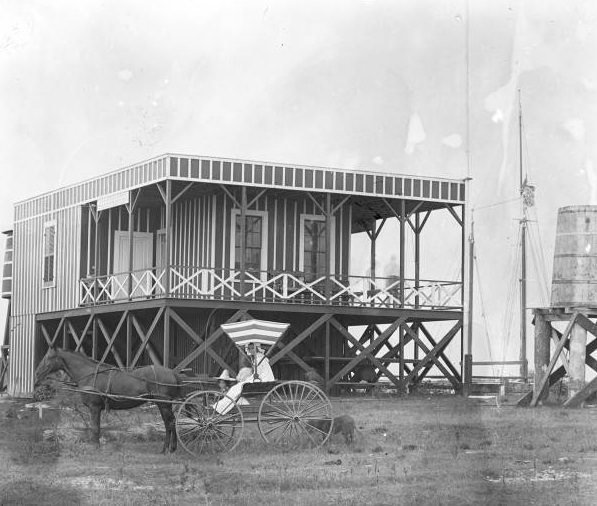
[(526, 148), (510, 300), (541, 249), (483, 312), (495, 204), (540, 270)]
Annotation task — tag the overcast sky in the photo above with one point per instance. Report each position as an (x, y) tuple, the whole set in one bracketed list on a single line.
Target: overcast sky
[(89, 87)]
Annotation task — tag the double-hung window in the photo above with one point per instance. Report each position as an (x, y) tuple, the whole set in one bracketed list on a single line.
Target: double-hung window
[(255, 242), (49, 252), (313, 247)]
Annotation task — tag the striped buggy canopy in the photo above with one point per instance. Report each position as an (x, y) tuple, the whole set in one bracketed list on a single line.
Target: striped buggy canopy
[(255, 331)]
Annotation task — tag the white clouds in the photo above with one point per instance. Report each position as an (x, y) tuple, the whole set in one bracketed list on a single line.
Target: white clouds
[(575, 128), (416, 134), (452, 141)]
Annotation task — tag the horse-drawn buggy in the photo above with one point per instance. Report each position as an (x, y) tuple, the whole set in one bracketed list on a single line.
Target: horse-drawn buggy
[(212, 416)]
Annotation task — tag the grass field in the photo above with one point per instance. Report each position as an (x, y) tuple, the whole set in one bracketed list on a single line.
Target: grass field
[(436, 450)]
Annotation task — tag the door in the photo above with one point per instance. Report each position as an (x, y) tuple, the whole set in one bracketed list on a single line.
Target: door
[(142, 264), (161, 258)]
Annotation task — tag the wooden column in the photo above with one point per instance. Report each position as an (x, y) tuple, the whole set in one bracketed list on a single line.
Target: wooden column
[(542, 349), (168, 224), (129, 340), (577, 358), (373, 242), (243, 239), (131, 226), (402, 249), (417, 257), (328, 247), (166, 354), (95, 271), (94, 338), (327, 356)]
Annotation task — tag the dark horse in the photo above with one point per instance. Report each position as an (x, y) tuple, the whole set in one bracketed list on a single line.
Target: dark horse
[(150, 383)]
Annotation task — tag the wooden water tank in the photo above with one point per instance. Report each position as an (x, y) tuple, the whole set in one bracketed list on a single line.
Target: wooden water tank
[(574, 281)]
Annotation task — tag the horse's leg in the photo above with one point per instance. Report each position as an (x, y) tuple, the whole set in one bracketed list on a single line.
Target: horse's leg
[(170, 440), (95, 410)]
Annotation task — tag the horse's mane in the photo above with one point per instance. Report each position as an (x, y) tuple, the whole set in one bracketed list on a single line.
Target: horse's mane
[(82, 356)]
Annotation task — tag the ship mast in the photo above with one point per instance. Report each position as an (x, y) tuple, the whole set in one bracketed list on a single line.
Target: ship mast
[(523, 254)]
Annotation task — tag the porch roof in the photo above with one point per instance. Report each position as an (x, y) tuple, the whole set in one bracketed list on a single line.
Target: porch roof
[(365, 188)]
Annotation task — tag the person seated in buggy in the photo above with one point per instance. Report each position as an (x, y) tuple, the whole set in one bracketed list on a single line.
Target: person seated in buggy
[(254, 366)]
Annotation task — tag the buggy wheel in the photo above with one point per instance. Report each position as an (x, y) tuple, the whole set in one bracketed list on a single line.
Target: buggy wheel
[(295, 414), (209, 422)]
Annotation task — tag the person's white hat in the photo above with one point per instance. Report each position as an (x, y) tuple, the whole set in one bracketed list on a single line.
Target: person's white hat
[(225, 376)]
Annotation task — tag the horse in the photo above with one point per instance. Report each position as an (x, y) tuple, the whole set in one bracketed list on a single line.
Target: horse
[(95, 379)]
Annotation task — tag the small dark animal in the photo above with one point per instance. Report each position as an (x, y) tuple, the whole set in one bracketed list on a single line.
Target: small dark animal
[(343, 424)]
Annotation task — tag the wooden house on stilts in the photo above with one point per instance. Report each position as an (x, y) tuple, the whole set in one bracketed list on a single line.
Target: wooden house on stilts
[(143, 265)]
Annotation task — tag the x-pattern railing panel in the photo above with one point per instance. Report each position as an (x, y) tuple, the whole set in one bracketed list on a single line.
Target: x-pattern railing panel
[(274, 287)]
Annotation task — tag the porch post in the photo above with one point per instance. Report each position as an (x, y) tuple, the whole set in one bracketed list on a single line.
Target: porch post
[(373, 239), (131, 211), (417, 257), (168, 224), (94, 338), (129, 340), (326, 364), (328, 247), (96, 218), (166, 354), (402, 249), (243, 239)]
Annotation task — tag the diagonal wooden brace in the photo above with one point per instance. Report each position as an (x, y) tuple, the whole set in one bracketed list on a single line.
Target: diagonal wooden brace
[(560, 346), (204, 346), (367, 351), (300, 338)]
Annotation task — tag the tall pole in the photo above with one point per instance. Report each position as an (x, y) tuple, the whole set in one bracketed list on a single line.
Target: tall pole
[(523, 257)]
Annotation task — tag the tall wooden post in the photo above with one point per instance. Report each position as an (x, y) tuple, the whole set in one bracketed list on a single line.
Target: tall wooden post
[(243, 239), (542, 349), (166, 354), (131, 226), (328, 247), (468, 356), (402, 249), (373, 241), (327, 356), (168, 237), (577, 359), (94, 338), (129, 339), (96, 217)]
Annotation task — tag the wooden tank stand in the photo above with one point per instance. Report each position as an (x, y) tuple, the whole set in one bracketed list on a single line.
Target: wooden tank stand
[(574, 339)]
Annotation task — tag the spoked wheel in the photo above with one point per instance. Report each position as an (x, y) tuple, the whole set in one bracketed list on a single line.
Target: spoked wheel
[(295, 414), (209, 422)]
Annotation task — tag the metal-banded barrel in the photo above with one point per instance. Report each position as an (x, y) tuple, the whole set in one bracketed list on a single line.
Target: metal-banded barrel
[(574, 281)]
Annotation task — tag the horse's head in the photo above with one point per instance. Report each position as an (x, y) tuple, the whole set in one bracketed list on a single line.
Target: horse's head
[(52, 362)]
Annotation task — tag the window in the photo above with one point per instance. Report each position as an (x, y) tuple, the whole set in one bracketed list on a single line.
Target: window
[(313, 246), (252, 243), (255, 241), (49, 250)]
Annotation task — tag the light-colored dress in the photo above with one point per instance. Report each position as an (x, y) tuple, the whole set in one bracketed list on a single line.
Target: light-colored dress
[(245, 375)]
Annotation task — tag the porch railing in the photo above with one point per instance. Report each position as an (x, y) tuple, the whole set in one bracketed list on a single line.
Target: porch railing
[(271, 287)]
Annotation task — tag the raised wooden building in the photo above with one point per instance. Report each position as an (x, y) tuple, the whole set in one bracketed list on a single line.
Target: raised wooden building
[(143, 265)]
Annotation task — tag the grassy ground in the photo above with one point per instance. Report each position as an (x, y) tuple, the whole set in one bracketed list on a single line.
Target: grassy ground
[(439, 450)]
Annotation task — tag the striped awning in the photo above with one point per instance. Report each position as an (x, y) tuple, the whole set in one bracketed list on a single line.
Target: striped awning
[(255, 331)]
